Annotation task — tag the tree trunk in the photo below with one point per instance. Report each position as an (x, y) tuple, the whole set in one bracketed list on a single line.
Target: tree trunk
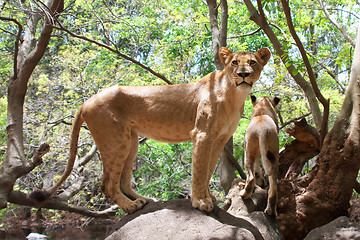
[(218, 36), (324, 193), (15, 164), (330, 184)]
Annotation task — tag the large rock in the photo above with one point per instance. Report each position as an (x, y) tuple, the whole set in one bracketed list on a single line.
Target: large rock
[(340, 228), (177, 219)]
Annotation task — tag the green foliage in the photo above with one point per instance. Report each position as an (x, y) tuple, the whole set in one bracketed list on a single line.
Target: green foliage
[(163, 171)]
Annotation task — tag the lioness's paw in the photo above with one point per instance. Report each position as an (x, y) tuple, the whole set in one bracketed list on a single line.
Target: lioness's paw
[(205, 204), (149, 200), (135, 205), (213, 198), (271, 212), (245, 194)]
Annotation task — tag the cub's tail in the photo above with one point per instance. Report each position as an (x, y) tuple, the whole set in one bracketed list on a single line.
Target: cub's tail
[(41, 196)]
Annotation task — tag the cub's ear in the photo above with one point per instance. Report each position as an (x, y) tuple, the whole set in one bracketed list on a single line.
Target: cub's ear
[(224, 54), (253, 99), (276, 100), (264, 54)]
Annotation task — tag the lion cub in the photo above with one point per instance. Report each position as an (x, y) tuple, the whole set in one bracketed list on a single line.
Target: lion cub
[(261, 138)]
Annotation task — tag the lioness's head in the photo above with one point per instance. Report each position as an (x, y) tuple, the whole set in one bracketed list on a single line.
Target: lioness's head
[(244, 67)]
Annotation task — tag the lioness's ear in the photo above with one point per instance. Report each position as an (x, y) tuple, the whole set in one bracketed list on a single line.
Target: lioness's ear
[(253, 98), (224, 54), (264, 54), (276, 100)]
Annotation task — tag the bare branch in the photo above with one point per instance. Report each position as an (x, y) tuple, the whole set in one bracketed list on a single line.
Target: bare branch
[(224, 22), (261, 21), (215, 32), (247, 34), (331, 74), (293, 120), (234, 161), (337, 25), (77, 185), (17, 40), (20, 198), (319, 96), (85, 159)]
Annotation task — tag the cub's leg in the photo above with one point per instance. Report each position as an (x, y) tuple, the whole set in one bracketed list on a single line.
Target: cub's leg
[(250, 160), (259, 175), (272, 196), (125, 181), (271, 164), (200, 196)]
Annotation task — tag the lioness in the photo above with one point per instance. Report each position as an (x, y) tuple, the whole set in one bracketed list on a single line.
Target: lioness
[(206, 112), (261, 138)]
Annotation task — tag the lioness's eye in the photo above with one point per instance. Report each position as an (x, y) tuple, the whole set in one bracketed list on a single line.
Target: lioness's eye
[(252, 62), (234, 62)]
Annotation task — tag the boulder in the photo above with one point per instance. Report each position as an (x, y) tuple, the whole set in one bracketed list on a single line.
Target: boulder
[(340, 228), (177, 219)]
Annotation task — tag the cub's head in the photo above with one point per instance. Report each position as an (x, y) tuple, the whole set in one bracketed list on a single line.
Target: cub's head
[(244, 67), (264, 106), (264, 102)]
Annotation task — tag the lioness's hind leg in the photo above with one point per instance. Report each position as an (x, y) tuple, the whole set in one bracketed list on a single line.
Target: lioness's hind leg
[(125, 182), (250, 160), (114, 148), (112, 186)]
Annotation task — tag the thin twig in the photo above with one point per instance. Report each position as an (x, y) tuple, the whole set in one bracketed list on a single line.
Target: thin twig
[(247, 34), (293, 120)]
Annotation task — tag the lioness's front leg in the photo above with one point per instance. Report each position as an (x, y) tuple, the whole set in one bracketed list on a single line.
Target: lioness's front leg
[(200, 196)]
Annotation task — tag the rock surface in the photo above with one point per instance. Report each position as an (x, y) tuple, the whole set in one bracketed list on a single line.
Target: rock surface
[(177, 219), (341, 228)]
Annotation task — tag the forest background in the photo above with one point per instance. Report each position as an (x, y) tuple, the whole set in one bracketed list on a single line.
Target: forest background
[(174, 39)]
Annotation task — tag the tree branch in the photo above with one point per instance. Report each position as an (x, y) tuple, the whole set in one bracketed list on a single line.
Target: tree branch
[(62, 28), (224, 22), (234, 162), (337, 25), (77, 185), (331, 74), (293, 120), (261, 21), (18, 36), (247, 34), (20, 198), (319, 96)]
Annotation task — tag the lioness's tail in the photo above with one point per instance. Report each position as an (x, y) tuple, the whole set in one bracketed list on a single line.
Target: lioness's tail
[(41, 196)]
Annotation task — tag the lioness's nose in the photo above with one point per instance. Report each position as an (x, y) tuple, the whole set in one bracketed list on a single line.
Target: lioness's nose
[(243, 74)]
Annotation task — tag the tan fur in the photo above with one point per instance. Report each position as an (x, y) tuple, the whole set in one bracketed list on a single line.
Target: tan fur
[(206, 112), (261, 139)]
